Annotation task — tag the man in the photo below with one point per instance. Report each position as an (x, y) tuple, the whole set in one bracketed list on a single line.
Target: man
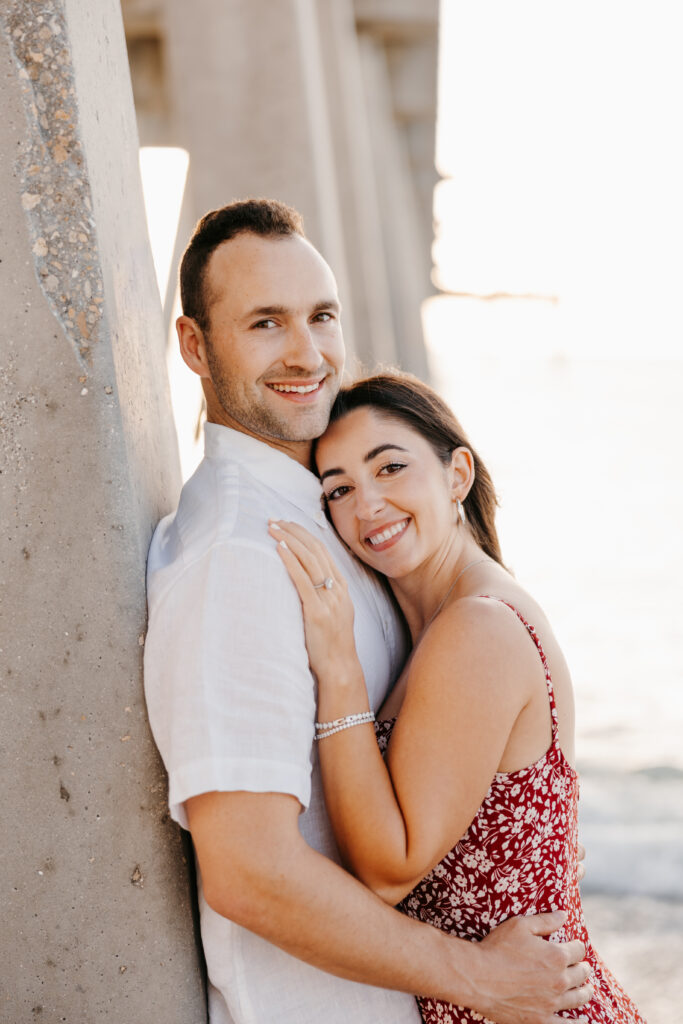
[(287, 933)]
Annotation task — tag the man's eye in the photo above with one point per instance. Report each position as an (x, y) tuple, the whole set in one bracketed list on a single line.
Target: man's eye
[(337, 492), (265, 324), (322, 318)]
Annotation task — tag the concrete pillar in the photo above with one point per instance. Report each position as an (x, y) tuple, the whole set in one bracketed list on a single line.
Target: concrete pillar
[(408, 271), (398, 46), (359, 186), (248, 90), (273, 99), (97, 910), (412, 68)]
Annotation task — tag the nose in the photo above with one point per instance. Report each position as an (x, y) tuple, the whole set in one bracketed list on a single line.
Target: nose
[(369, 501), (302, 350)]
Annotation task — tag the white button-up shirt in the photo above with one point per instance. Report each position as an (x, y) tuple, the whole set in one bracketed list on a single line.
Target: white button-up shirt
[(231, 698)]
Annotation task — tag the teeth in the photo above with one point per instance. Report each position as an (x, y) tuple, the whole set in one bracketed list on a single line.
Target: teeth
[(391, 531), (300, 389)]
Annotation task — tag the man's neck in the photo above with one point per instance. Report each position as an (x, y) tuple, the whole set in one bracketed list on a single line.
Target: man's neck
[(300, 451)]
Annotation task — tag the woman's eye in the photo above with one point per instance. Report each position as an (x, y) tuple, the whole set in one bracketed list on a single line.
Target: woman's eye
[(392, 467), (337, 492)]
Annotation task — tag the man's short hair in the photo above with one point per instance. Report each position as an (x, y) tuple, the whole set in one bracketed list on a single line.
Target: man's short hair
[(266, 217)]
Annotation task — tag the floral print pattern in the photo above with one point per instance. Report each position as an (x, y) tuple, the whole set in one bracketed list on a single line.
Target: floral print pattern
[(517, 857)]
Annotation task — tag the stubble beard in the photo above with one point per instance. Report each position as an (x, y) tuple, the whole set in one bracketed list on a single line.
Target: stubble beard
[(304, 423)]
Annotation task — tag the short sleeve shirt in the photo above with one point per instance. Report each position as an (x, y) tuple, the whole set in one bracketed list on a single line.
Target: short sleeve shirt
[(231, 699)]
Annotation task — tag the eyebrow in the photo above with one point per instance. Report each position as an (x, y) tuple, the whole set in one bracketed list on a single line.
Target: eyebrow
[(367, 458), (285, 310)]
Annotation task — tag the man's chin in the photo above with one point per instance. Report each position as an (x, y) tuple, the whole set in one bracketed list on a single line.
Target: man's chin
[(302, 429), (298, 434), (305, 423)]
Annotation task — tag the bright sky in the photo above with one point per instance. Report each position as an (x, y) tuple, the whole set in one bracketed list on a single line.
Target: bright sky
[(164, 173), (560, 139)]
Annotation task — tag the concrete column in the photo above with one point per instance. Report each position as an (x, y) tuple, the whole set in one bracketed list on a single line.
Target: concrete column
[(273, 99), (412, 67), (97, 918), (248, 89), (374, 329), (408, 271)]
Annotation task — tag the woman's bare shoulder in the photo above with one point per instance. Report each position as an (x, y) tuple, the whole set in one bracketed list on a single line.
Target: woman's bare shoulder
[(481, 642), (488, 620)]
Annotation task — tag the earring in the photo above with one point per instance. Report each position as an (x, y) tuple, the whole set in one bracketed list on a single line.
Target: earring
[(461, 510)]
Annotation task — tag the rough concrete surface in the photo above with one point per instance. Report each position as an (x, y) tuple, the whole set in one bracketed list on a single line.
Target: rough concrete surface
[(97, 904)]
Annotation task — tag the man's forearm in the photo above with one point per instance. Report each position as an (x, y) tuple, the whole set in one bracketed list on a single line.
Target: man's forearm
[(280, 888), (258, 871), (317, 912)]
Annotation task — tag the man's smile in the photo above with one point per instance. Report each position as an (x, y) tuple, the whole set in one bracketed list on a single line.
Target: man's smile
[(301, 389), (297, 391)]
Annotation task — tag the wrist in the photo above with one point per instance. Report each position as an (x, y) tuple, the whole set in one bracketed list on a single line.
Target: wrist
[(325, 729), (341, 672), (333, 714), (341, 691), (463, 971), (455, 967)]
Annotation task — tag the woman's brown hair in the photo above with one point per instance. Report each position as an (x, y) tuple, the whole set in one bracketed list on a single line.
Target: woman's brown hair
[(406, 398)]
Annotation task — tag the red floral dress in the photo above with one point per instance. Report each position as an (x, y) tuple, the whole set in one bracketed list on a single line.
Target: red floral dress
[(517, 857)]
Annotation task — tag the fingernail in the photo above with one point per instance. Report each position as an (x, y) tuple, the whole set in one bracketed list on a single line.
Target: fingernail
[(283, 544), (273, 525)]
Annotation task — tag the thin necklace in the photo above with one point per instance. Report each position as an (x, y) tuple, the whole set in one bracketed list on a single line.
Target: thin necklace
[(470, 565)]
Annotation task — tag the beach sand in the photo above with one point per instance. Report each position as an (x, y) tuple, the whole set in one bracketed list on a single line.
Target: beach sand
[(641, 941)]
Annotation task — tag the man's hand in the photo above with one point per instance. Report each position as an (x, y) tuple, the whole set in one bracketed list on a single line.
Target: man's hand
[(521, 979)]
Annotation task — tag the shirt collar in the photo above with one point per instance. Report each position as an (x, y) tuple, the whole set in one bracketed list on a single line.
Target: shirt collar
[(268, 465)]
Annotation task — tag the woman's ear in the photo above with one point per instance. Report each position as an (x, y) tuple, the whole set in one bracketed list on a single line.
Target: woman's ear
[(461, 471), (192, 345)]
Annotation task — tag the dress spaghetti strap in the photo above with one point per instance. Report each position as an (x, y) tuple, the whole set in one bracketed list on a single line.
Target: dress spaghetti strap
[(534, 636)]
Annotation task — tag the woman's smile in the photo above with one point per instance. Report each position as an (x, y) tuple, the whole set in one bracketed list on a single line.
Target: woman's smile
[(384, 537)]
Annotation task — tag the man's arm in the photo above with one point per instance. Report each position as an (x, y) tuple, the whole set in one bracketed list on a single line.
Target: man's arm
[(258, 871)]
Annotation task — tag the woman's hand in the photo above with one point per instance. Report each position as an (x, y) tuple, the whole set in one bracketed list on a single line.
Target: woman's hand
[(327, 607)]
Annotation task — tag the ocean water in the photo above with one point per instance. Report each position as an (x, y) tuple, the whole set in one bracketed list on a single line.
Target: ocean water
[(585, 455)]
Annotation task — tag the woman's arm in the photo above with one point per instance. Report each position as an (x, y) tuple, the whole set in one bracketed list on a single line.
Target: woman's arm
[(468, 681)]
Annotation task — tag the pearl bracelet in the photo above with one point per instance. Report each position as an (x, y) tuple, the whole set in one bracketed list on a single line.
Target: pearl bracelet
[(324, 729)]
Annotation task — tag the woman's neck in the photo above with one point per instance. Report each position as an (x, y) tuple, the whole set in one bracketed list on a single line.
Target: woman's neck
[(422, 593)]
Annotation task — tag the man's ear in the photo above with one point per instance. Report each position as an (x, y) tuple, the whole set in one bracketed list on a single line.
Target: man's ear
[(192, 345), (461, 470)]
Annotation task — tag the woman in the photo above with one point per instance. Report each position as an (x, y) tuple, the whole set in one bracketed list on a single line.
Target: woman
[(472, 816)]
